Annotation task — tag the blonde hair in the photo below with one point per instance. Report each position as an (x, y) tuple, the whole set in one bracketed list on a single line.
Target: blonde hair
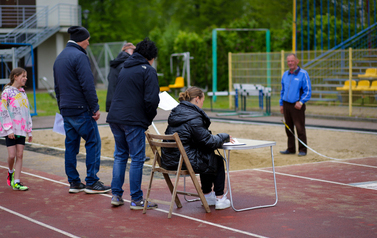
[(14, 73), (190, 93)]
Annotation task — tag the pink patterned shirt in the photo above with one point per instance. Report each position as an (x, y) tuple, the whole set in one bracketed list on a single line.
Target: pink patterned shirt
[(14, 112)]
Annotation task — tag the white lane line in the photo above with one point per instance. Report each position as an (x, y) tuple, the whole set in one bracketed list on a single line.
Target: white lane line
[(161, 210), (311, 179), (39, 223), (362, 165), (61, 149)]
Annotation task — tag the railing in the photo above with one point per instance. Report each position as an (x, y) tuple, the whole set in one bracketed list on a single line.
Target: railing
[(41, 25), (44, 19), (12, 16), (363, 40)]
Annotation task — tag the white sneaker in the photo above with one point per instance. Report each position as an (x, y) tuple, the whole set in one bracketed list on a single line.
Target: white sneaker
[(211, 199), (222, 203)]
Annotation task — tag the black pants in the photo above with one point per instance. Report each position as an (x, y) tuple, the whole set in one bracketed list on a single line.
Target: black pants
[(295, 118), (216, 180)]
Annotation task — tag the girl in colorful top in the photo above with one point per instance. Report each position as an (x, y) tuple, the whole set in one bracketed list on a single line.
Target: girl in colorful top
[(15, 124)]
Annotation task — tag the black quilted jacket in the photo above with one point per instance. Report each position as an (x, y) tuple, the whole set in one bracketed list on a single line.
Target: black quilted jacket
[(192, 125)]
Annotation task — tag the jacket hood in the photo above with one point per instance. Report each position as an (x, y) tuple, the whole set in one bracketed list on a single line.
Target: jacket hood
[(122, 56), (135, 59), (185, 112)]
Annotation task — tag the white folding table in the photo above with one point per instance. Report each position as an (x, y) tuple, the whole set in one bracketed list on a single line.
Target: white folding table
[(247, 145)]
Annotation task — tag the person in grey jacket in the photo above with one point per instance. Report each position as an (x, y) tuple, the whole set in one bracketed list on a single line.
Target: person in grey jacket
[(192, 123), (78, 104)]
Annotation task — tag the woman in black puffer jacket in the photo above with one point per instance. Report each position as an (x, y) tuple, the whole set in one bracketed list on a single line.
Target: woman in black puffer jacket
[(192, 123)]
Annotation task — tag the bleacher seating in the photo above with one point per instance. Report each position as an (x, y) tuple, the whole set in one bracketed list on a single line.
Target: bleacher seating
[(346, 86), (373, 86), (362, 85), (370, 73)]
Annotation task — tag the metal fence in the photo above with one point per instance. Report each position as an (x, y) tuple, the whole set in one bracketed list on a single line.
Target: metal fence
[(100, 55), (326, 74)]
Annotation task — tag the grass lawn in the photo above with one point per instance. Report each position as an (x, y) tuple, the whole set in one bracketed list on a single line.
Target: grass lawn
[(47, 106)]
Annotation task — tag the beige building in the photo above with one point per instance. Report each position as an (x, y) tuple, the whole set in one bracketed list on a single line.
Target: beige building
[(40, 23)]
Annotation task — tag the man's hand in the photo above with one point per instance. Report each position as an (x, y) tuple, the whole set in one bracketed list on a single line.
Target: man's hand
[(281, 110), (96, 115), (298, 105)]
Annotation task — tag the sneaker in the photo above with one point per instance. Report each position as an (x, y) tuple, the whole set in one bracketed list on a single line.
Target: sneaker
[(10, 179), (97, 187), (222, 203), (117, 200), (19, 186), (139, 205), (211, 199), (76, 187)]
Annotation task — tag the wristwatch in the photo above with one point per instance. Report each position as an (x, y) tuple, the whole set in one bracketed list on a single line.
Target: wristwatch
[(300, 103)]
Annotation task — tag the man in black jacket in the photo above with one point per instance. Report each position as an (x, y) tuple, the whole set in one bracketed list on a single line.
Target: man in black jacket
[(78, 103), (132, 111), (115, 67)]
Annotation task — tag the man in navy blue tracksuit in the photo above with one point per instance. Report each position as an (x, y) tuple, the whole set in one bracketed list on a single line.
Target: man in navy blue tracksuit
[(78, 104), (295, 92)]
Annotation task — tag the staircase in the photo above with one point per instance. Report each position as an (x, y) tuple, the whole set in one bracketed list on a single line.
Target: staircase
[(39, 27), (331, 69)]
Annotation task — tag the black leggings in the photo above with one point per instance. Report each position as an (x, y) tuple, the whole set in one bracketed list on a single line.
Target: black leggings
[(217, 180)]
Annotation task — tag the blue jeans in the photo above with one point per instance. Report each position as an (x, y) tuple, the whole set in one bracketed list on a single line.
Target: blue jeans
[(77, 127), (129, 142)]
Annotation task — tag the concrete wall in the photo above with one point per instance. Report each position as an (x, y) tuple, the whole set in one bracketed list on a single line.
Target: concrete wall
[(47, 53), (51, 48)]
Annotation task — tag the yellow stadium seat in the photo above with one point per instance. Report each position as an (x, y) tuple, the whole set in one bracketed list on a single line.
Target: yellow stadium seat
[(363, 85), (164, 88), (179, 83), (373, 87), (369, 73), (346, 85)]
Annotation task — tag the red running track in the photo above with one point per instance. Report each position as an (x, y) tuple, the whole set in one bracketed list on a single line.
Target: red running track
[(315, 200)]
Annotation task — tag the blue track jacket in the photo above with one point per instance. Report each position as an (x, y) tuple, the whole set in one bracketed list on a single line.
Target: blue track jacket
[(295, 87)]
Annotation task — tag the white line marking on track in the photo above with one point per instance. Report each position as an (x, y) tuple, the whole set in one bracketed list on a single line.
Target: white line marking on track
[(39, 223), (362, 165), (161, 210), (311, 179)]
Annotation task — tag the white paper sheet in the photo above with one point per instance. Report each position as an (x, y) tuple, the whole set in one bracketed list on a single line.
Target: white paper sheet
[(234, 143), (59, 124), (167, 102)]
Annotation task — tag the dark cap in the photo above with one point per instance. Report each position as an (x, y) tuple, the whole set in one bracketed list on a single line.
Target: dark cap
[(78, 33)]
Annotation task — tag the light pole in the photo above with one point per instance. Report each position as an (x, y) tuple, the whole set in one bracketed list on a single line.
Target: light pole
[(86, 14)]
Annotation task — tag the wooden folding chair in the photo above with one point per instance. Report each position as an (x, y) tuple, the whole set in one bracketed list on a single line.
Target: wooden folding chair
[(155, 142)]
